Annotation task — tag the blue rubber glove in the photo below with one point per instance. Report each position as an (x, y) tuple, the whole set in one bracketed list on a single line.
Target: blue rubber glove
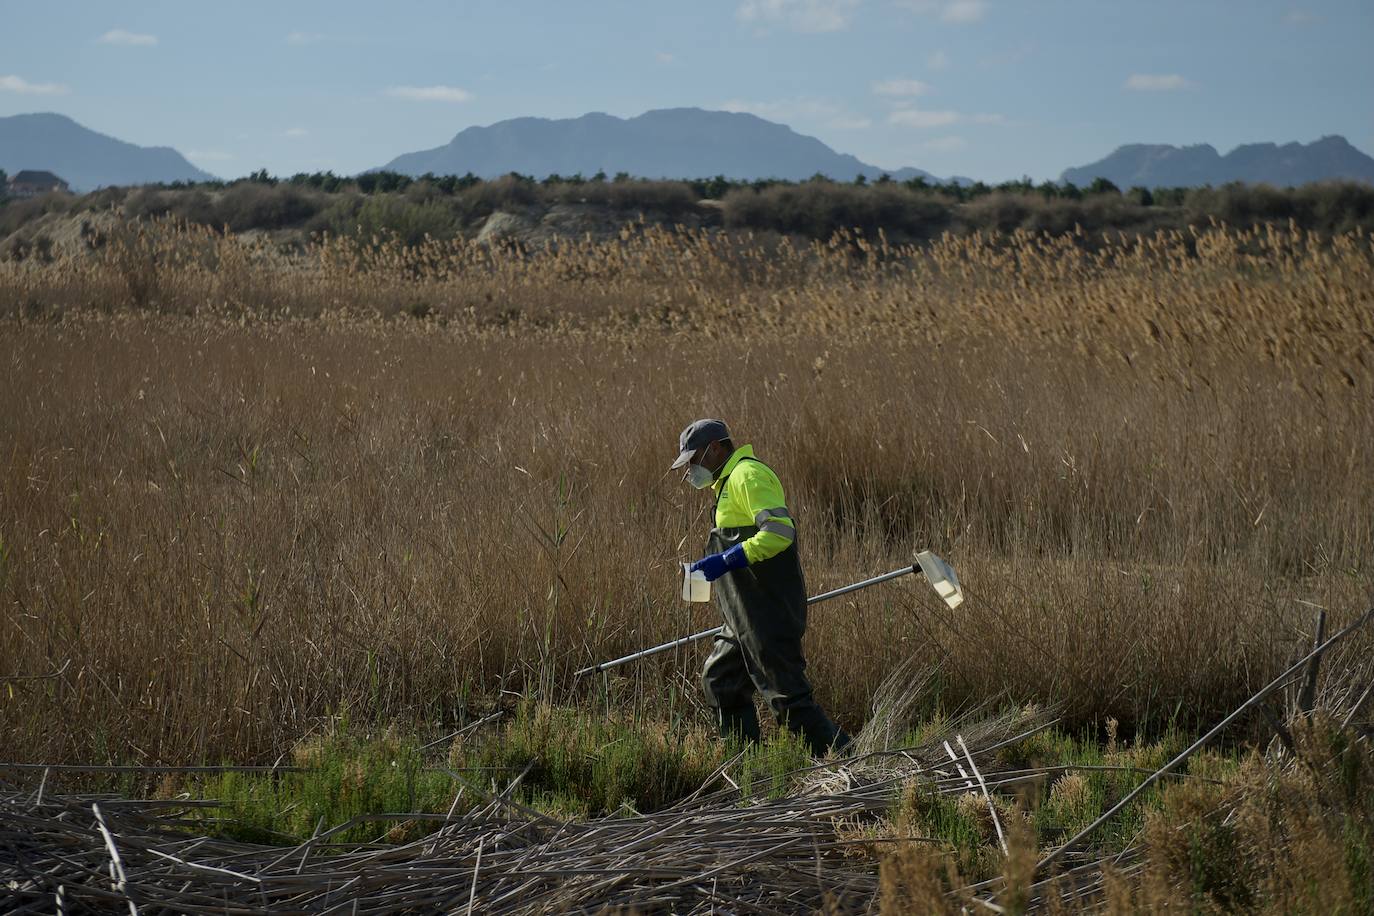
[(718, 564)]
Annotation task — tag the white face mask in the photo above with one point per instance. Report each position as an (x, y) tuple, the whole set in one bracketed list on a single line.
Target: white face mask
[(699, 477)]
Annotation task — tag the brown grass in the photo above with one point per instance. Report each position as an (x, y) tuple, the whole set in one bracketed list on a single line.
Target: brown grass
[(245, 490)]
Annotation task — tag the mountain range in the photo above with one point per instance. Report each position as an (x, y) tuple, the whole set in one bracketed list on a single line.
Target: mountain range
[(667, 143), (86, 160), (1153, 166)]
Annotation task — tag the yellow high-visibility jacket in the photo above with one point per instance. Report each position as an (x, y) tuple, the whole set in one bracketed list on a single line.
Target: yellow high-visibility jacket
[(749, 494)]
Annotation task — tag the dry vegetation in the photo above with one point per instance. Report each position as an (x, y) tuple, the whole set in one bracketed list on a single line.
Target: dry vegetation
[(305, 206), (242, 493), (247, 492)]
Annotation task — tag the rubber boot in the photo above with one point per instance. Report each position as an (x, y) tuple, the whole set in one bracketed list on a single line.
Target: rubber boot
[(821, 734), (741, 721)]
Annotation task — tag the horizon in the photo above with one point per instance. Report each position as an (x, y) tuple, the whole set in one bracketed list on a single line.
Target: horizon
[(991, 91), (1222, 151)]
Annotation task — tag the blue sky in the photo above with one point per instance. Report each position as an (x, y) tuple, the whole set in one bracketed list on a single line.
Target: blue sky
[(991, 89)]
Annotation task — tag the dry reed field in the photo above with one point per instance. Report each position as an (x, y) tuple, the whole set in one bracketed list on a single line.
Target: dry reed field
[(248, 492)]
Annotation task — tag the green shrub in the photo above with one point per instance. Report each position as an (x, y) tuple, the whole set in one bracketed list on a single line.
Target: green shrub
[(664, 199), (253, 205), (393, 215), (819, 209)]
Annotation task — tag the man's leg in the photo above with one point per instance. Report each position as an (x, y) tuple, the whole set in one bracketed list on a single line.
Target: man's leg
[(729, 690), (778, 670)]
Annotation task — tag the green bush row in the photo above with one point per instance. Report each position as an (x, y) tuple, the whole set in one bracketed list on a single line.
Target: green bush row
[(385, 203)]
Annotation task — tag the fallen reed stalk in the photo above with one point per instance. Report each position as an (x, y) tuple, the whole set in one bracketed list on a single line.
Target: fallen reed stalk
[(708, 850)]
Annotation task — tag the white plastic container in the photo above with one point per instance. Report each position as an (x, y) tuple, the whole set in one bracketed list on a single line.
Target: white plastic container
[(694, 585)]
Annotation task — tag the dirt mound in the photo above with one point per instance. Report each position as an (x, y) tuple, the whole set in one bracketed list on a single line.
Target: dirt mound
[(55, 235)]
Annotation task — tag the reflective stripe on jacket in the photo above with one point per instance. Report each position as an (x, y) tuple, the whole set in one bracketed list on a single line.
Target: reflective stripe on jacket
[(748, 493)]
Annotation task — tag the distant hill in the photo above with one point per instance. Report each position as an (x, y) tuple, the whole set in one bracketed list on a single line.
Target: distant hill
[(85, 159), (1174, 167), (666, 143)]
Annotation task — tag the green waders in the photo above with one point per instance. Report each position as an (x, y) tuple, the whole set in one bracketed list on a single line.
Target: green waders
[(764, 606)]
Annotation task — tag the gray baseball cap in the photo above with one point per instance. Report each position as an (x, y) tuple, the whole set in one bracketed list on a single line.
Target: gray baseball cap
[(697, 434)]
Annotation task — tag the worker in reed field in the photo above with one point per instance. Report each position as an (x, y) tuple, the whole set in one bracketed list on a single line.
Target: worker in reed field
[(752, 560)]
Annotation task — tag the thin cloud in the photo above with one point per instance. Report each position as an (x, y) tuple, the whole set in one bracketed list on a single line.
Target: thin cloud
[(956, 12), (304, 38), (911, 117), (856, 122), (209, 155), (430, 93), (963, 11), (1157, 82), (938, 61), (1007, 58), (1301, 17), (125, 37), (663, 57), (901, 88), (799, 15), (24, 87), (297, 132), (914, 117), (945, 144)]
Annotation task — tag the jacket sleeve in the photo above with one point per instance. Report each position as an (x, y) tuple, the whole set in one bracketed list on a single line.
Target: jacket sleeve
[(759, 489)]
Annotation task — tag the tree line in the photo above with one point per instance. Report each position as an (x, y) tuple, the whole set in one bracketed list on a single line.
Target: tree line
[(713, 188), (386, 204)]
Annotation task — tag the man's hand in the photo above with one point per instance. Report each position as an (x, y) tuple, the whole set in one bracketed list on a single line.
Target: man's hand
[(718, 564)]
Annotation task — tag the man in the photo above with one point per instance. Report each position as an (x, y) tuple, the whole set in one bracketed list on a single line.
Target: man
[(759, 589)]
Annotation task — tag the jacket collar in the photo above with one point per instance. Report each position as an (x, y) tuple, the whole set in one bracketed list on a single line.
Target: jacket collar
[(739, 454)]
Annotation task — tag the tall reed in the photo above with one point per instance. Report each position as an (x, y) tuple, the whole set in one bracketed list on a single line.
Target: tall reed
[(245, 489)]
